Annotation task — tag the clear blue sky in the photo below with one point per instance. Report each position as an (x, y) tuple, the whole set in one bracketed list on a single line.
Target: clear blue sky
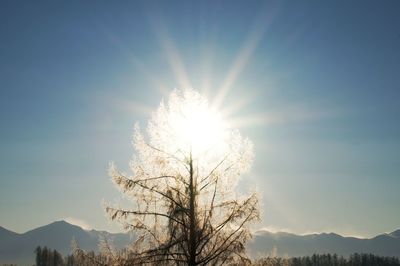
[(321, 79)]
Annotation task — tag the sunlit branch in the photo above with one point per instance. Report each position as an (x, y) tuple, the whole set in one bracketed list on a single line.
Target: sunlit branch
[(125, 213), (214, 169), (184, 163), (131, 183)]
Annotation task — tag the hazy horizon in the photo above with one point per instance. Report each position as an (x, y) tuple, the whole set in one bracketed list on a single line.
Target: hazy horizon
[(257, 231), (315, 86)]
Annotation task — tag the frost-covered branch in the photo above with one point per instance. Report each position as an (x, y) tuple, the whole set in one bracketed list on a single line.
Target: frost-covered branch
[(187, 211)]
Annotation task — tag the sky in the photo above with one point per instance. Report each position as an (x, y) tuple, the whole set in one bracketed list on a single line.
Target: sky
[(315, 85)]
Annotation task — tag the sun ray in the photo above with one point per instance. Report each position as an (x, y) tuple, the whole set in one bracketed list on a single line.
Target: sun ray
[(238, 105), (174, 59), (207, 64), (259, 119), (260, 26)]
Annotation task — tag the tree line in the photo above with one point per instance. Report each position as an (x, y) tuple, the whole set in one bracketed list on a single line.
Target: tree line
[(51, 257), (330, 260)]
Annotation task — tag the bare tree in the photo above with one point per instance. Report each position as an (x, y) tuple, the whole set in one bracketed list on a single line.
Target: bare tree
[(185, 171)]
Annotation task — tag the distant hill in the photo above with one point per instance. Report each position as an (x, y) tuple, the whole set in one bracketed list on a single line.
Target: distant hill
[(6, 235), (19, 248), (285, 244), (395, 234)]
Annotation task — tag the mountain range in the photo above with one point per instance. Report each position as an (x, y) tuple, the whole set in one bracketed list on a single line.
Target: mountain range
[(19, 248), (284, 244)]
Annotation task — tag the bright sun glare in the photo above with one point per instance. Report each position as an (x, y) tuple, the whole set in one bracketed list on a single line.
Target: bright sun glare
[(198, 126)]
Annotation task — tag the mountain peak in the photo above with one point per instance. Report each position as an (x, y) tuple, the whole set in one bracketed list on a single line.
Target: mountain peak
[(18, 248), (331, 234), (61, 222)]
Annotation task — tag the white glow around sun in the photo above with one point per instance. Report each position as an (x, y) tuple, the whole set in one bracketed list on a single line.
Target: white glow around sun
[(186, 124), (198, 127)]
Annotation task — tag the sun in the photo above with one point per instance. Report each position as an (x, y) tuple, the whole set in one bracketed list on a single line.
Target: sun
[(196, 125), (199, 127)]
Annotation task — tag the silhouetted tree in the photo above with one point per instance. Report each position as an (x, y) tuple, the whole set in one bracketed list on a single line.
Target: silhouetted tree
[(38, 252), (186, 210), (48, 257)]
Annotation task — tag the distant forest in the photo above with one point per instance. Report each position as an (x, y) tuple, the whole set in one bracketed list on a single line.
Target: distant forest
[(330, 260), (50, 257)]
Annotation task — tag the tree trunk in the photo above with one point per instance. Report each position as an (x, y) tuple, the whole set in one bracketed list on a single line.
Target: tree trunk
[(192, 213)]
